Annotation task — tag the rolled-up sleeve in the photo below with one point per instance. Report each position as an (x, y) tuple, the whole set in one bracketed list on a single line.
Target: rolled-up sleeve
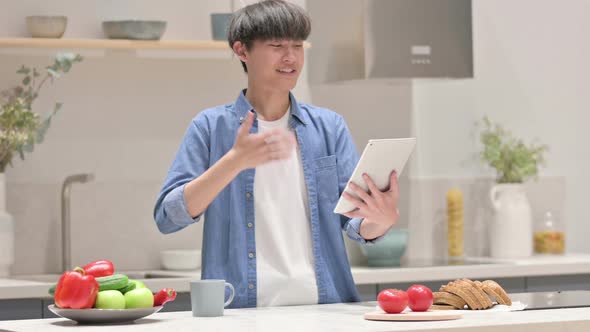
[(347, 159), (353, 230), (192, 160)]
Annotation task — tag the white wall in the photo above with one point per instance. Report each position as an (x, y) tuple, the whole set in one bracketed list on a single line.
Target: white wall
[(122, 120), (532, 75), (124, 116)]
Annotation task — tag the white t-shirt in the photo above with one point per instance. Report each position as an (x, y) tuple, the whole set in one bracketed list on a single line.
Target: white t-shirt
[(284, 258)]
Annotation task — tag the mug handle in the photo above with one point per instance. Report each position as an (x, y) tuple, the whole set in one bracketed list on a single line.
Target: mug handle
[(231, 294)]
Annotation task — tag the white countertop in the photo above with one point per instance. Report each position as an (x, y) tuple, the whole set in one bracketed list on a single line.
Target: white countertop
[(328, 317), (534, 266), (542, 265)]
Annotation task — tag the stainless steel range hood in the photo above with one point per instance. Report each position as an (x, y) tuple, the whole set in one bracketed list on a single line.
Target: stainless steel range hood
[(381, 39)]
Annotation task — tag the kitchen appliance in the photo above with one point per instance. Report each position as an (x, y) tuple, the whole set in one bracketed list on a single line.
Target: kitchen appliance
[(390, 39), (553, 300)]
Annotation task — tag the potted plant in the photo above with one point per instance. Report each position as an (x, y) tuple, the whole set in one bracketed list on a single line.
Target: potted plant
[(20, 129), (514, 163)]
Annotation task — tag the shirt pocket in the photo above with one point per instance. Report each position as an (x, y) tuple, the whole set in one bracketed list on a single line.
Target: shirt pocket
[(327, 179)]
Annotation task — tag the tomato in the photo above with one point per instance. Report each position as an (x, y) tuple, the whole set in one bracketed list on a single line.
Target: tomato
[(393, 301), (420, 297)]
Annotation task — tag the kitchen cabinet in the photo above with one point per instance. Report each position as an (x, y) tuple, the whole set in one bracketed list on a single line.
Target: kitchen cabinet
[(20, 309), (46, 313), (515, 278), (558, 283), (37, 308), (342, 317), (511, 285), (182, 303), (368, 292)]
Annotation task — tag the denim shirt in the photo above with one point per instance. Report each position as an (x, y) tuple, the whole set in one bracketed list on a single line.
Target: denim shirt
[(328, 155)]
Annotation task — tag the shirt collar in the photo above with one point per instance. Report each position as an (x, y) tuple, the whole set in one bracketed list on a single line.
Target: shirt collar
[(243, 106)]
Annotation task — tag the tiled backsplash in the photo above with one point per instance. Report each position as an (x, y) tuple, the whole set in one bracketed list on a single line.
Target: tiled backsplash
[(120, 226), (426, 218), (429, 212), (109, 220)]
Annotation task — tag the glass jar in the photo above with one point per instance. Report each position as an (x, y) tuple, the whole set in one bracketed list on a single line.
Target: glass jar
[(549, 235)]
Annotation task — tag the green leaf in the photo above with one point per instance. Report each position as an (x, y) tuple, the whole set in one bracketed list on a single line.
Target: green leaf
[(20, 127), (27, 148), (513, 160), (56, 108), (53, 72), (23, 70)]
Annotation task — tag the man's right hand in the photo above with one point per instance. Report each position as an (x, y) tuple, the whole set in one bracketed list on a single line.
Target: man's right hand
[(251, 150)]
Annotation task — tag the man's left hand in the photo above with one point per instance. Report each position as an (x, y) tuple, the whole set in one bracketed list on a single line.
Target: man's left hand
[(377, 208)]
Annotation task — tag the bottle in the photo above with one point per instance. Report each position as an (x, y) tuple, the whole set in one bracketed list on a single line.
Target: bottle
[(455, 228), (549, 237)]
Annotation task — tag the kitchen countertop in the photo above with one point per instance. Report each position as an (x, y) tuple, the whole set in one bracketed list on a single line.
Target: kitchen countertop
[(340, 317), (15, 288)]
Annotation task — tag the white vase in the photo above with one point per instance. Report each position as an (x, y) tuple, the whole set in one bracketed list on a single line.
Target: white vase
[(6, 233), (511, 230)]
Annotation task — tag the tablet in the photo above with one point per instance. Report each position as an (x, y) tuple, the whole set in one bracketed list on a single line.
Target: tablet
[(379, 159)]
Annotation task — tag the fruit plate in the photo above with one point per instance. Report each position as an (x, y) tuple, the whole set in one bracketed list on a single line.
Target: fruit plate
[(99, 316)]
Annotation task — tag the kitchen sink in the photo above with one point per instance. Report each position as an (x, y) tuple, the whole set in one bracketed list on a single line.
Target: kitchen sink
[(130, 274)]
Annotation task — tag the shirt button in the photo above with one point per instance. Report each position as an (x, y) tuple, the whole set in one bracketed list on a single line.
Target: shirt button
[(248, 195), (251, 286), (250, 225), (251, 255)]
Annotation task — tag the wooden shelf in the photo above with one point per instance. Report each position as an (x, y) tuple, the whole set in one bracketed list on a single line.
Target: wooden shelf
[(124, 44)]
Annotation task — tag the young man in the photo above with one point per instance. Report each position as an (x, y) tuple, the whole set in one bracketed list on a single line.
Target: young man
[(267, 172)]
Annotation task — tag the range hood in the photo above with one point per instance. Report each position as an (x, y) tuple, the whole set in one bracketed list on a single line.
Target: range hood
[(390, 39)]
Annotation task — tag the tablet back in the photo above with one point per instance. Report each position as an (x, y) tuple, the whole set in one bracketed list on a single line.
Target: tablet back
[(379, 159)]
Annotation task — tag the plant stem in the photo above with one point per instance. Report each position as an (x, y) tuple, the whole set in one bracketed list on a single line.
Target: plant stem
[(41, 84)]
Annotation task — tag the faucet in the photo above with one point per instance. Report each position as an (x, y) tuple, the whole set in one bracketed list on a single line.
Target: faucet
[(66, 252)]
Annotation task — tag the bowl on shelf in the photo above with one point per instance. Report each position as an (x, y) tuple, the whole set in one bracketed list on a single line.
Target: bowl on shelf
[(180, 259), (41, 26), (388, 250), (134, 29), (219, 25)]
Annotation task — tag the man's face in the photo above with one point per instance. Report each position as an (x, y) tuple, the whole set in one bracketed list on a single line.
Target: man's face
[(275, 64)]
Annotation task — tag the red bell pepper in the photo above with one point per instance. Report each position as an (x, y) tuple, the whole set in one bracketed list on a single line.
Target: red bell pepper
[(163, 296), (100, 268), (76, 290)]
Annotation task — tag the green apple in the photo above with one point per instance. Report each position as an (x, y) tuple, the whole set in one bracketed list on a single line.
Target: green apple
[(138, 284), (110, 299), (139, 298)]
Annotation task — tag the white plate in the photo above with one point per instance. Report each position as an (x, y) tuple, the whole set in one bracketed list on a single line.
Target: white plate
[(94, 316)]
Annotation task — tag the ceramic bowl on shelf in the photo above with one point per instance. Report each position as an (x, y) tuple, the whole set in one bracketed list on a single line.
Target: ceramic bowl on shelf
[(47, 26), (180, 259), (388, 251), (134, 29)]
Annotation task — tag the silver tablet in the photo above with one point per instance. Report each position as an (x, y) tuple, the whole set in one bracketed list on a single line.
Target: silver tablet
[(379, 159)]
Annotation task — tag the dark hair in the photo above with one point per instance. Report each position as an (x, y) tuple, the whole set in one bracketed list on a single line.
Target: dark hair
[(268, 19)]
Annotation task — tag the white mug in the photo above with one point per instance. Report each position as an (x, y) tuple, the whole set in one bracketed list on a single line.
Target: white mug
[(208, 295)]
